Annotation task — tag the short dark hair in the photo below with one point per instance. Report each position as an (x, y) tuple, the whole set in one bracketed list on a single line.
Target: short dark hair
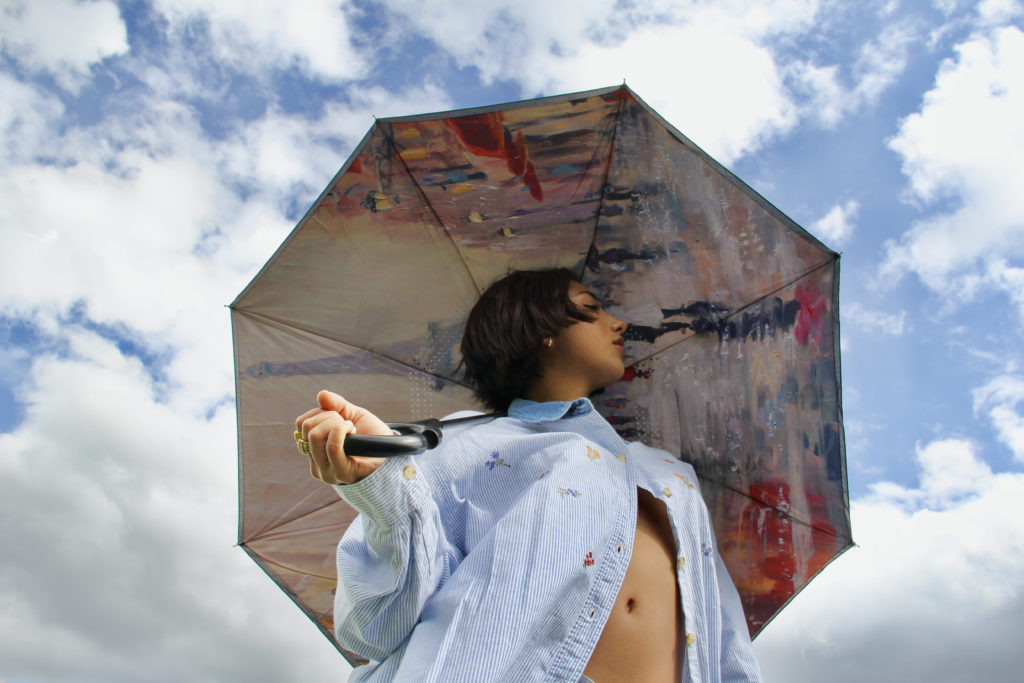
[(506, 330)]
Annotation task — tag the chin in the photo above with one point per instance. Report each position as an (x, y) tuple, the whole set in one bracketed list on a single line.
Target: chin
[(610, 379)]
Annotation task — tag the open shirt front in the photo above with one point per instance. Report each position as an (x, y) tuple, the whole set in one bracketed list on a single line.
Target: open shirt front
[(499, 554)]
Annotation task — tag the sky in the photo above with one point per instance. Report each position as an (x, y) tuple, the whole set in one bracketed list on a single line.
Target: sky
[(154, 153)]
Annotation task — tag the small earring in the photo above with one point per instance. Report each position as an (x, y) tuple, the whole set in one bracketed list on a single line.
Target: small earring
[(548, 342)]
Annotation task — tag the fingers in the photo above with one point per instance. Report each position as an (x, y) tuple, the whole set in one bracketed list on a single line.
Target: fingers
[(328, 400), (308, 421), (315, 426), (327, 441), (339, 463), (305, 416), (326, 427), (325, 432), (365, 421)]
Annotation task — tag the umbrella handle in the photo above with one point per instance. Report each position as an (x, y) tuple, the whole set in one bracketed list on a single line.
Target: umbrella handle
[(412, 438)]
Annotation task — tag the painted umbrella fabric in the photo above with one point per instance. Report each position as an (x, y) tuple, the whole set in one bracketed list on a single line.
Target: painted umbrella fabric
[(733, 345)]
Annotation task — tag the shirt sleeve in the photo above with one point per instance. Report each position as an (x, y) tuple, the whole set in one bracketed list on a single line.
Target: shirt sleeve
[(392, 558), (738, 661)]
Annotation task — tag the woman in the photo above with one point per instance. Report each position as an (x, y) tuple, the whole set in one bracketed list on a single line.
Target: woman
[(539, 546)]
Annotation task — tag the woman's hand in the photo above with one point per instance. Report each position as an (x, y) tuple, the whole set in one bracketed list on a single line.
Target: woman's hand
[(325, 429)]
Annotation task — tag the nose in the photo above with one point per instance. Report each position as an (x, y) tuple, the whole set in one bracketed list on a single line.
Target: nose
[(618, 325)]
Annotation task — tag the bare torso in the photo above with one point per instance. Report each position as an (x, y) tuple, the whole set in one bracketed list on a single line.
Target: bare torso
[(640, 639)]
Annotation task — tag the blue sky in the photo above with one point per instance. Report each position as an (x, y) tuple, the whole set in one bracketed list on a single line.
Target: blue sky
[(155, 153)]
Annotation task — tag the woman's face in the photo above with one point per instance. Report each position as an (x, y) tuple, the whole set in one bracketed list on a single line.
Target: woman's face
[(585, 356)]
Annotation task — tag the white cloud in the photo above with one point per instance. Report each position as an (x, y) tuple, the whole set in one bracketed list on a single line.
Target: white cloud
[(138, 218), (120, 516), (837, 225), (859, 317), (1009, 279), (122, 241), (706, 67), (951, 468), (122, 480), (880, 63), (971, 111), (113, 227), (962, 148), (999, 12), (62, 37), (950, 471), (262, 35), (1001, 399), (504, 39), (292, 155), (827, 97), (719, 71), (27, 118), (730, 107), (933, 592)]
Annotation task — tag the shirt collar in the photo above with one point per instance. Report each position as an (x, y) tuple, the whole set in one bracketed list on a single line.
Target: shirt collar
[(531, 411)]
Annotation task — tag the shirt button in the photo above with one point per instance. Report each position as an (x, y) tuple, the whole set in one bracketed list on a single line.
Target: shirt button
[(681, 562), (667, 491), (410, 472), (690, 639)]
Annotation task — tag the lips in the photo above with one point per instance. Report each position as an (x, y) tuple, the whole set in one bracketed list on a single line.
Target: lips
[(621, 343)]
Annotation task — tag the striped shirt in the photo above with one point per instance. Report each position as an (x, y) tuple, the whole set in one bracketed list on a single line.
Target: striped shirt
[(498, 555)]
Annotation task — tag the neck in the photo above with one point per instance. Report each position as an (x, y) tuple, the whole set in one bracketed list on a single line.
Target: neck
[(543, 391)]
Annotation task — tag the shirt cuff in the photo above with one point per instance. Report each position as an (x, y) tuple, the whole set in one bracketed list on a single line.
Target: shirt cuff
[(389, 493)]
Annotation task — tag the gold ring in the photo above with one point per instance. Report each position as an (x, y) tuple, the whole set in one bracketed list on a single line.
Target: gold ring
[(302, 444)]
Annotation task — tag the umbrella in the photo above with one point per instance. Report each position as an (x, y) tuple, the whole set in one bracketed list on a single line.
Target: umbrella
[(732, 344)]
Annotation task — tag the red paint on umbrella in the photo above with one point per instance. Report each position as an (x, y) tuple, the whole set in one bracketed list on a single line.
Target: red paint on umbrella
[(486, 135), (813, 310)]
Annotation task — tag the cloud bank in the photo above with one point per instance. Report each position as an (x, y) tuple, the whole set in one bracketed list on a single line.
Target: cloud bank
[(933, 592), (960, 151)]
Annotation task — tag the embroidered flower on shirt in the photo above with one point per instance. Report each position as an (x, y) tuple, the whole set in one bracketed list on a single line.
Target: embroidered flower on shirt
[(567, 492), (496, 461), (593, 454), (588, 561), (688, 482), (705, 550)]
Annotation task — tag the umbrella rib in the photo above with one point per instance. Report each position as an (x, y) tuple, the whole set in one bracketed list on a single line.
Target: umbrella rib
[(276, 532), (744, 307), (378, 354), (772, 507), (390, 137), (607, 173), (286, 567), (268, 531)]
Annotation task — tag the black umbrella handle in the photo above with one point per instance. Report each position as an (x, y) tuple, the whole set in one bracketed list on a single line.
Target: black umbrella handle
[(412, 438)]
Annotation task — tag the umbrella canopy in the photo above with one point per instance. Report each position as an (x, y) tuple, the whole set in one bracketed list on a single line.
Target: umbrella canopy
[(732, 352)]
